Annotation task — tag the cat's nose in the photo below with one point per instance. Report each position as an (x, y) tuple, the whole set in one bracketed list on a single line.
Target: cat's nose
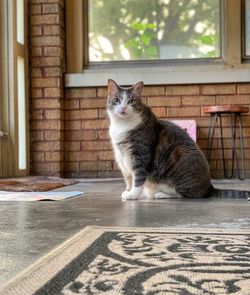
[(123, 109)]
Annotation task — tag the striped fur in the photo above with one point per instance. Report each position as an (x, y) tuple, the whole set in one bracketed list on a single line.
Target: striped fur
[(155, 155)]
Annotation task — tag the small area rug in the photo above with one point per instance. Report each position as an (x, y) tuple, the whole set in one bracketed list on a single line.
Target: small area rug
[(33, 184), (142, 261)]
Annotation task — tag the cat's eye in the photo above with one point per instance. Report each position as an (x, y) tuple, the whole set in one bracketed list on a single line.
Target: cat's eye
[(116, 100), (132, 101)]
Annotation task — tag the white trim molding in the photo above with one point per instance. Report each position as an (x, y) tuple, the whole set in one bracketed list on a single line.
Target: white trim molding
[(195, 74)]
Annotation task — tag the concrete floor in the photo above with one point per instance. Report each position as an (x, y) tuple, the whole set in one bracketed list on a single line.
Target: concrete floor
[(28, 230)]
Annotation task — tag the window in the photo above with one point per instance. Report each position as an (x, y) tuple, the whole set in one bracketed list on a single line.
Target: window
[(153, 30), (247, 28), (14, 157), (159, 42)]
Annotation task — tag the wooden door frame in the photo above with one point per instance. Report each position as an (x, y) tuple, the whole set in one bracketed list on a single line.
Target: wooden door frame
[(11, 50)]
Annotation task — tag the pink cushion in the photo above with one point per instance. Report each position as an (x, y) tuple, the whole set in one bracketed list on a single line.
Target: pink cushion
[(189, 125)]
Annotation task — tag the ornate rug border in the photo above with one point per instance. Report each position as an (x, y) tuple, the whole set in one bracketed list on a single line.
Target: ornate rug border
[(36, 275)]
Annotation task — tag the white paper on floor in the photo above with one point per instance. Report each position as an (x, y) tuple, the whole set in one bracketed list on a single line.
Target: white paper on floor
[(37, 196)]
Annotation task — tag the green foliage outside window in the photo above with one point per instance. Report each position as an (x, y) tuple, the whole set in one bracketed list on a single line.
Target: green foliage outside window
[(153, 29)]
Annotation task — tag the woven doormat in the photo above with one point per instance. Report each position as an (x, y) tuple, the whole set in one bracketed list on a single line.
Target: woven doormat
[(33, 184), (142, 261)]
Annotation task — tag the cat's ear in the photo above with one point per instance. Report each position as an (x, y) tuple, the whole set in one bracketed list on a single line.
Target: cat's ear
[(138, 88), (113, 88)]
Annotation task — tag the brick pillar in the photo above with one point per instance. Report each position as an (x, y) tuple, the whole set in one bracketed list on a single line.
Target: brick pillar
[(46, 64)]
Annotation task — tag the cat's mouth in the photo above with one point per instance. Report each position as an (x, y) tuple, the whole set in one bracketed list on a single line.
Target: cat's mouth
[(122, 115)]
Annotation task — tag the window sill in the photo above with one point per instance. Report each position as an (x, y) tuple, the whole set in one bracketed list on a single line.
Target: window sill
[(193, 74)]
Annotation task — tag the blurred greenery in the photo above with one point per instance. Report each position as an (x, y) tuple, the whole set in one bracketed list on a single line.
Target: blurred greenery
[(153, 29)]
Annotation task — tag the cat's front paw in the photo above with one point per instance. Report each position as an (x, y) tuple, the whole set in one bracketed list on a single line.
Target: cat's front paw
[(129, 195)]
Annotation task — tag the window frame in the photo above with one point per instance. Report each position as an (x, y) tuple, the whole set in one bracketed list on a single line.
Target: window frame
[(10, 96), (232, 67), (246, 57)]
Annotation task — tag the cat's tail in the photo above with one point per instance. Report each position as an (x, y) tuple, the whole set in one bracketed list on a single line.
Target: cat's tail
[(229, 193)]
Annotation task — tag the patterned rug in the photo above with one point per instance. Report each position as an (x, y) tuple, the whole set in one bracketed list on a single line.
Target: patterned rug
[(33, 183), (142, 261)]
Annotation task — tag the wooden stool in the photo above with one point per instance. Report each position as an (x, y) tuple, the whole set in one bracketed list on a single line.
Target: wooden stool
[(234, 111)]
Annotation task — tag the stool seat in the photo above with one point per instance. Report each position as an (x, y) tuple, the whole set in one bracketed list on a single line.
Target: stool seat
[(225, 109)]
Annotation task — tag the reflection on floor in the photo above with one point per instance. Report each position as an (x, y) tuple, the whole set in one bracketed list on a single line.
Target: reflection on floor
[(28, 230)]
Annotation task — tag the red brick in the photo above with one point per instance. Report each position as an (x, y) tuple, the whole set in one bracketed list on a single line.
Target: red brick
[(243, 88), (183, 90), (73, 125), (46, 168), (50, 8), (36, 93), (53, 156), (52, 92), (219, 89), (102, 92), (198, 100), (44, 19), (71, 104), (37, 114), (45, 82), (36, 51), (96, 145), (36, 72), (52, 114), (71, 166), (75, 135), (80, 156), (102, 113), (72, 146), (159, 112), (45, 41), (45, 61), (46, 103), (164, 101), (52, 135), (37, 135), (233, 99), (35, 9), (38, 156), (105, 155), (51, 30), (35, 31), (95, 124), (153, 91), (52, 51), (81, 114), (52, 72), (92, 103), (103, 134), (47, 124), (96, 166), (183, 112), (47, 146), (81, 93)]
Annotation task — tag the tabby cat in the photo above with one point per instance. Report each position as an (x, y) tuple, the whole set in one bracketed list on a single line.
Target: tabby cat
[(156, 157)]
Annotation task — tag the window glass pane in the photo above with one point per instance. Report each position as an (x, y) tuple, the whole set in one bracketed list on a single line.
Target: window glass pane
[(122, 30), (20, 21), (247, 27), (21, 114)]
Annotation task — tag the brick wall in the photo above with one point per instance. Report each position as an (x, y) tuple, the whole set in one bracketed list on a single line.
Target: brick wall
[(47, 63), (88, 150), (69, 127)]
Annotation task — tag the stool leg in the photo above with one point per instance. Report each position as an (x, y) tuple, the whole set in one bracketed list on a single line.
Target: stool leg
[(222, 150), (234, 150), (241, 150), (212, 125)]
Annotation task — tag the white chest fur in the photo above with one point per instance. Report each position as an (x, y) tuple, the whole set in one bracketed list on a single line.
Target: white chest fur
[(118, 131), (119, 128)]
